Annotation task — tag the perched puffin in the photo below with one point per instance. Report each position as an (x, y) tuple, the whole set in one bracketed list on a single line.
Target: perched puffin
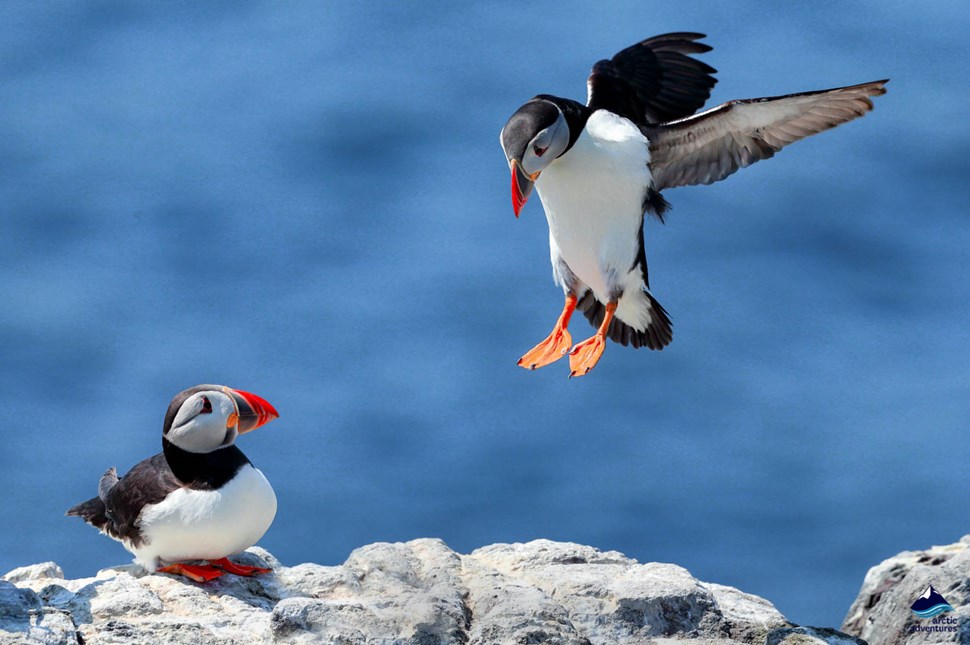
[(200, 498), (599, 167)]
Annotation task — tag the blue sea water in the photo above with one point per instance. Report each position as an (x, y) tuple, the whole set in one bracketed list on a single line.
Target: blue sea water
[(307, 200)]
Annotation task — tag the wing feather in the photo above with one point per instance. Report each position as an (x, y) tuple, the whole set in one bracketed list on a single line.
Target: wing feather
[(654, 80), (714, 144)]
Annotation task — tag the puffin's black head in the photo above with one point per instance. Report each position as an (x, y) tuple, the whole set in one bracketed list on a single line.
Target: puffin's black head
[(532, 138), (208, 417)]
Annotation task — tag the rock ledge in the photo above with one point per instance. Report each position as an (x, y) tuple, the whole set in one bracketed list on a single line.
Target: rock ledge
[(881, 613), (418, 593)]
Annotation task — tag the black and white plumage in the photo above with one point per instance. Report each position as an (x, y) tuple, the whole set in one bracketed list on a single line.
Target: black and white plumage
[(200, 498), (600, 167)]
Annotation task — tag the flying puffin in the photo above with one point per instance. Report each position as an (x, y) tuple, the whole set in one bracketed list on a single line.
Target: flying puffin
[(600, 167), (200, 498)]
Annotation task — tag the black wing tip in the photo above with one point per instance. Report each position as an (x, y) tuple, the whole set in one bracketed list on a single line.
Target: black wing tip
[(684, 41), (877, 87), (676, 35), (872, 88)]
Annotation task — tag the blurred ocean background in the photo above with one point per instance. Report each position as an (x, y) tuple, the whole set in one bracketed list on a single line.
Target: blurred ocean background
[(308, 200)]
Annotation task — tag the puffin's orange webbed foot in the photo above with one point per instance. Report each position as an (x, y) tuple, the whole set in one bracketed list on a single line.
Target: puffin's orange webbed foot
[(548, 351), (556, 345), (238, 569), (197, 572), (585, 355)]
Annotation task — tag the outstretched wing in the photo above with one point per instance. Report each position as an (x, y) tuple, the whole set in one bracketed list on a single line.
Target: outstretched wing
[(653, 81), (710, 146)]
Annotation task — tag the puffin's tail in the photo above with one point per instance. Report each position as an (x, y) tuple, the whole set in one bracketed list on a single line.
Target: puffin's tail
[(94, 511), (655, 334)]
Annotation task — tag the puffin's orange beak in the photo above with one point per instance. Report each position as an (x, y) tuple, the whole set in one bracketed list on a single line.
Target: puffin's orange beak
[(254, 411)]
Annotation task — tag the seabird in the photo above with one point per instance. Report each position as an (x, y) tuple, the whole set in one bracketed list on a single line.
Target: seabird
[(599, 167), (200, 498)]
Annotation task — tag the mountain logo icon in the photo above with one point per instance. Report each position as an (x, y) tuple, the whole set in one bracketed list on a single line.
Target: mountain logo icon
[(930, 604)]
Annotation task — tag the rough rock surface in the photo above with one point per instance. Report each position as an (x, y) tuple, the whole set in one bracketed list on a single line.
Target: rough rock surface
[(418, 593), (881, 613)]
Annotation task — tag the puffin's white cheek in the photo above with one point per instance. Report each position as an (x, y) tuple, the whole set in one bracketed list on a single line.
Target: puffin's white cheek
[(530, 163)]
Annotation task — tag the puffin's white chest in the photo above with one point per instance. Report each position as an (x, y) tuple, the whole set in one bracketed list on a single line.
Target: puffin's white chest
[(593, 198), (208, 525)]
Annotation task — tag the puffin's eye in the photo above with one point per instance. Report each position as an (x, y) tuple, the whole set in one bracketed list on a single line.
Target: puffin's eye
[(206, 406), (539, 151)]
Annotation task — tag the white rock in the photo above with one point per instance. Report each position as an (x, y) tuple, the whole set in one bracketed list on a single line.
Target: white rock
[(42, 571), (811, 636), (506, 610), (882, 611), (24, 619), (417, 593)]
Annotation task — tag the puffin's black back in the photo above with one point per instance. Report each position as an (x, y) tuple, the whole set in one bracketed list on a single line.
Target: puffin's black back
[(150, 482)]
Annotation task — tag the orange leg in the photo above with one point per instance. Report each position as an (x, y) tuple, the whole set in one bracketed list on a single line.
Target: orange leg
[(199, 573), (556, 345), (586, 354), (237, 569)]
